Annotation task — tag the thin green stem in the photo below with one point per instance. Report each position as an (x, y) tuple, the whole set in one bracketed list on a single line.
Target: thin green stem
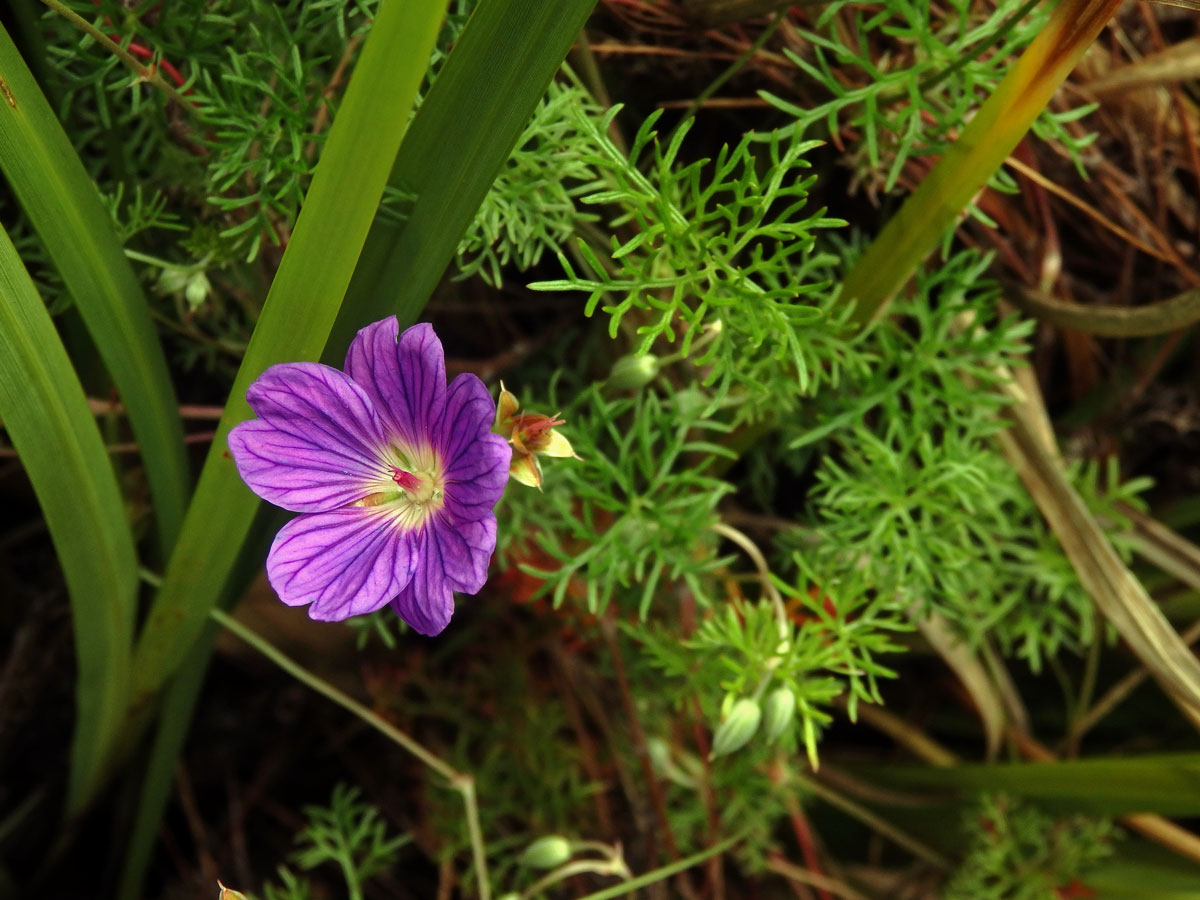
[(1087, 687), (146, 73), (350, 872), (459, 781), (615, 868), (764, 572), (667, 871), (345, 701), (730, 71), (870, 819), (465, 785)]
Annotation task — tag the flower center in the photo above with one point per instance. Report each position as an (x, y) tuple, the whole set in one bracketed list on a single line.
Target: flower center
[(422, 490), (410, 487)]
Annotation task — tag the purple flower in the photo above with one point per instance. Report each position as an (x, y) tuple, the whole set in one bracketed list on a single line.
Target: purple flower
[(395, 472)]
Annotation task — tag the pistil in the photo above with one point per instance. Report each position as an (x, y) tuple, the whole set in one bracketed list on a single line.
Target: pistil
[(408, 482)]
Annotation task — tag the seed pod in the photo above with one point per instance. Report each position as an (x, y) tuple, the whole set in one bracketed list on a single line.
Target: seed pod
[(779, 712), (547, 852), (738, 727), (633, 372)]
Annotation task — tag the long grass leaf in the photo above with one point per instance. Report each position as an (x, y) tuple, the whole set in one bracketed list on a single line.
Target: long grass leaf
[(299, 311), (1167, 784), (62, 203), (493, 79), (1118, 594), (45, 412), (979, 151), (179, 699)]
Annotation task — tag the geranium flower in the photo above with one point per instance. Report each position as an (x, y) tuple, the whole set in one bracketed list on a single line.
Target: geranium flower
[(395, 473)]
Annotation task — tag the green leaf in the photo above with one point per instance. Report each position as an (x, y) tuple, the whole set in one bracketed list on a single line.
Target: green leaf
[(988, 138), (45, 412), (62, 203), (1143, 871), (1164, 784), (460, 137), (295, 321)]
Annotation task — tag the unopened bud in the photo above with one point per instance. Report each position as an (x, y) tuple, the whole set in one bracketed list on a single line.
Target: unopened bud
[(197, 290), (738, 727), (172, 279), (727, 705), (690, 402), (779, 712), (633, 372), (547, 852)]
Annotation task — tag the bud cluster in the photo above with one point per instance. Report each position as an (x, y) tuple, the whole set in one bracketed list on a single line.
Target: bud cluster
[(742, 718)]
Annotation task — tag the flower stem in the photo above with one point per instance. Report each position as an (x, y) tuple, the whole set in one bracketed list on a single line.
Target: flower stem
[(465, 785), (628, 887), (459, 781), (146, 73), (612, 867), (764, 572)]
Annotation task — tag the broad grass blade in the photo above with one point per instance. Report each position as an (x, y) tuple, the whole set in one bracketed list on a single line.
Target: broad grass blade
[(45, 412), (493, 79), (1164, 784), (299, 311), (62, 203)]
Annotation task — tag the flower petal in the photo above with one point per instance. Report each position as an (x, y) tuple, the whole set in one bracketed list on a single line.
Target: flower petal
[(427, 602), (465, 551), (320, 406), (406, 379), (475, 460), (296, 473), (345, 562)]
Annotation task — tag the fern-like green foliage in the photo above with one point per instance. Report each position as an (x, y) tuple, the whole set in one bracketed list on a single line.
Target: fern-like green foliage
[(348, 833), (1018, 852), (915, 491), (532, 206), (940, 64), (638, 507), (245, 145), (804, 662), (723, 240)]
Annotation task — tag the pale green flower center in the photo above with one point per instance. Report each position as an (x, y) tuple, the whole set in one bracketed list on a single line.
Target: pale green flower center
[(411, 485)]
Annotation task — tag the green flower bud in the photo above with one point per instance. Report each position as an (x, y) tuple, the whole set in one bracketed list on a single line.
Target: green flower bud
[(727, 705), (547, 852), (779, 712), (173, 279), (737, 728), (197, 290), (633, 372), (690, 402)]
